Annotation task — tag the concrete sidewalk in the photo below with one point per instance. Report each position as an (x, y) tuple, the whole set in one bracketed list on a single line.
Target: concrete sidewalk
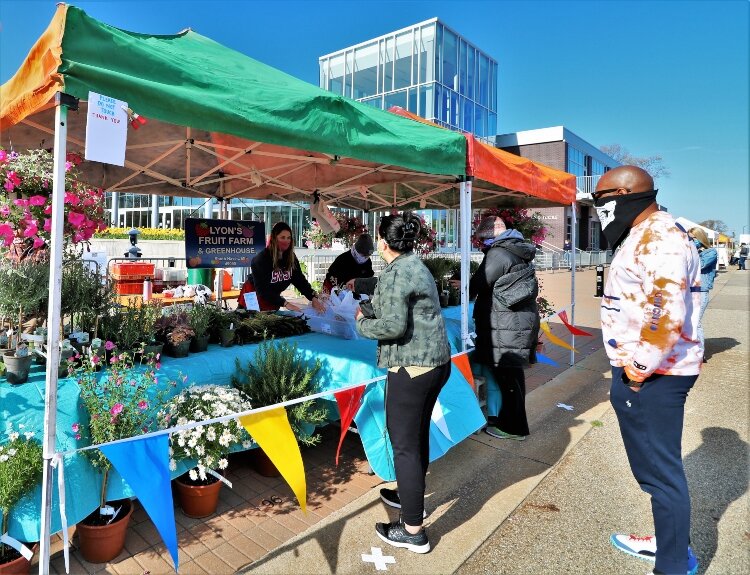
[(549, 504)]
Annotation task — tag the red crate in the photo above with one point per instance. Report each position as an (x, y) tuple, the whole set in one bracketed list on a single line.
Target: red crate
[(129, 287), (132, 271)]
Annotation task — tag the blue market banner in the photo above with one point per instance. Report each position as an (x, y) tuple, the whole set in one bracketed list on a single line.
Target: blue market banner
[(222, 243)]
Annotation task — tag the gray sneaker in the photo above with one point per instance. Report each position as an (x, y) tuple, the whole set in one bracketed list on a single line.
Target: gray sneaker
[(396, 534), (500, 434)]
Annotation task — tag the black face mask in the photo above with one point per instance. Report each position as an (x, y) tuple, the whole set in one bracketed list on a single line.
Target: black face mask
[(617, 213)]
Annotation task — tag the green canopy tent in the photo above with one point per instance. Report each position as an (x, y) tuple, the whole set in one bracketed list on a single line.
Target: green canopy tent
[(220, 125)]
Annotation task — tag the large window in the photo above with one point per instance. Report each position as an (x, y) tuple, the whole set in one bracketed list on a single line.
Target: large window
[(366, 71), (402, 63), (576, 162)]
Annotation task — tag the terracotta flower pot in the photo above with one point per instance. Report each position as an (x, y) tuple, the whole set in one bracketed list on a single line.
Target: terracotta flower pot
[(199, 344), (16, 368), (102, 543), (262, 463), (198, 500), (19, 565)]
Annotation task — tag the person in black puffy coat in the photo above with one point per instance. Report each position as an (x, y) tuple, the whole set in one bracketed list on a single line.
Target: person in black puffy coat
[(507, 324)]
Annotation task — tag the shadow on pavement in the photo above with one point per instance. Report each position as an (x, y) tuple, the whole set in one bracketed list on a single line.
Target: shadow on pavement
[(717, 476), (715, 345)]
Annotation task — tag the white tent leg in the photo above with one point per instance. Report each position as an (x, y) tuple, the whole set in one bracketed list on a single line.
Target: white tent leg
[(465, 229), (573, 222), (53, 329)]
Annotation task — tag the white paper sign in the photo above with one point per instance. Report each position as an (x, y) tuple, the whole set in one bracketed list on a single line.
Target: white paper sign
[(106, 130), (251, 301)]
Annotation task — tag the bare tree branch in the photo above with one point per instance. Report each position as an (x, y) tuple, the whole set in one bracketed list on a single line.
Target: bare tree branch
[(654, 165)]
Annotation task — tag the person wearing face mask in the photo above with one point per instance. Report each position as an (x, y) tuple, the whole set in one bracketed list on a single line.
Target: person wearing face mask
[(413, 346), (649, 316), (506, 320), (355, 263), (709, 259), (274, 269)]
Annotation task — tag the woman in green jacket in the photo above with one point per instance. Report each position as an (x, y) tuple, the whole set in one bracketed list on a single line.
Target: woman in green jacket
[(413, 346)]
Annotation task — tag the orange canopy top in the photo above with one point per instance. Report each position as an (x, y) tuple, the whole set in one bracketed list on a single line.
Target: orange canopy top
[(490, 165)]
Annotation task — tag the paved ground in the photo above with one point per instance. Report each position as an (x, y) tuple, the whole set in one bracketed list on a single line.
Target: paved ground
[(546, 505)]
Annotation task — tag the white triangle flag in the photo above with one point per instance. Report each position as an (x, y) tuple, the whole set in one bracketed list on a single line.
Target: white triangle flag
[(438, 417)]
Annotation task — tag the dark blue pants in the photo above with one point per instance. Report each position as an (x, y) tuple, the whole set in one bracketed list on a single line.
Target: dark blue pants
[(651, 427)]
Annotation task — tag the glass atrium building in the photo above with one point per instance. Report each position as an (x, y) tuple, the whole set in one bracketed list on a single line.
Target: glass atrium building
[(427, 69)]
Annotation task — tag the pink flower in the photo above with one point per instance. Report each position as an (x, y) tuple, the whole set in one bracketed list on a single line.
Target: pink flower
[(78, 436), (31, 231), (48, 209), (142, 405), (158, 365), (76, 219), (20, 202), (12, 181), (117, 409), (76, 427), (5, 211), (109, 346), (95, 360), (3, 156), (72, 199), (68, 165), (38, 242), (37, 200), (6, 232), (113, 359), (47, 225)]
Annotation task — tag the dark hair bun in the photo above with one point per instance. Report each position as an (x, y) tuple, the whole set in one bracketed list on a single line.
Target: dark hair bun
[(400, 231)]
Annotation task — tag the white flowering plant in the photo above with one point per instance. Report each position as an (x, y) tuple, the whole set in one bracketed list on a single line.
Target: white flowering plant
[(208, 445), (20, 471)]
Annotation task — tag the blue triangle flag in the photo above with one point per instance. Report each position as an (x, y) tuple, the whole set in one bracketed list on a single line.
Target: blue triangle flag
[(541, 358), (144, 464)]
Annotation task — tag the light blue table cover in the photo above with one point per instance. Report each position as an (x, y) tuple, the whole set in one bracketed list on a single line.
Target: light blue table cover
[(344, 362)]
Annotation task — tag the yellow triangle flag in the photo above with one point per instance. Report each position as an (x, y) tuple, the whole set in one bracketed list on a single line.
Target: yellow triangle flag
[(273, 434), (553, 338)]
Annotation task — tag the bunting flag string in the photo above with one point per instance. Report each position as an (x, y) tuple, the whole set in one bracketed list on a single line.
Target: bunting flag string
[(348, 403), (144, 465), (563, 315), (541, 358), (553, 338), (272, 432), (462, 363)]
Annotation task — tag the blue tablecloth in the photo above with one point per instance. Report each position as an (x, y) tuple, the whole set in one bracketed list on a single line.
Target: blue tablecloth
[(344, 362)]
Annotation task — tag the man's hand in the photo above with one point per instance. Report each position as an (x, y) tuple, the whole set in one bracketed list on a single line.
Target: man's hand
[(358, 314), (349, 285)]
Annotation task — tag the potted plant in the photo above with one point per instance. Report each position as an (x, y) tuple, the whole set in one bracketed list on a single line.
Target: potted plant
[(280, 372), (124, 325), (26, 201), (115, 411), (20, 472), (174, 330), (441, 269), (200, 320), (226, 325), (86, 297), (206, 446), (150, 313), (23, 293)]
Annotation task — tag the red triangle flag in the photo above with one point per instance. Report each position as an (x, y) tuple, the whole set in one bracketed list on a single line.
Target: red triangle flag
[(348, 402), (462, 363), (563, 315)]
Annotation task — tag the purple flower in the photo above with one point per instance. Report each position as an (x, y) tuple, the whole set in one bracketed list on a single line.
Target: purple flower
[(109, 346), (142, 405)]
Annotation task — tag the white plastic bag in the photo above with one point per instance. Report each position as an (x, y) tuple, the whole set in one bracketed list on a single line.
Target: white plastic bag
[(325, 218)]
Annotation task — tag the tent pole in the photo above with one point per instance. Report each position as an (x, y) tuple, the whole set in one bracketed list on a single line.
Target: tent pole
[(465, 212), (63, 101), (574, 243)]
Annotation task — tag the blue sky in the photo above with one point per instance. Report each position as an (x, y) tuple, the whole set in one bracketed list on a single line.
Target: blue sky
[(668, 78)]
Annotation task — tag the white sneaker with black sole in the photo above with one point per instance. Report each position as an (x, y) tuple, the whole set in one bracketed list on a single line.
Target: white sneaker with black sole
[(390, 497)]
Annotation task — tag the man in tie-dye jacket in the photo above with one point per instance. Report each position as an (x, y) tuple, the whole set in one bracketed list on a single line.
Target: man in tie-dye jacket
[(649, 315)]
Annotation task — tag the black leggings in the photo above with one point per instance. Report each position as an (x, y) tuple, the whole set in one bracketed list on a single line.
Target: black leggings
[(408, 411)]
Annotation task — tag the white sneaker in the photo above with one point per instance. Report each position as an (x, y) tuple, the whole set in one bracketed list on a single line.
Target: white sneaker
[(641, 547)]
